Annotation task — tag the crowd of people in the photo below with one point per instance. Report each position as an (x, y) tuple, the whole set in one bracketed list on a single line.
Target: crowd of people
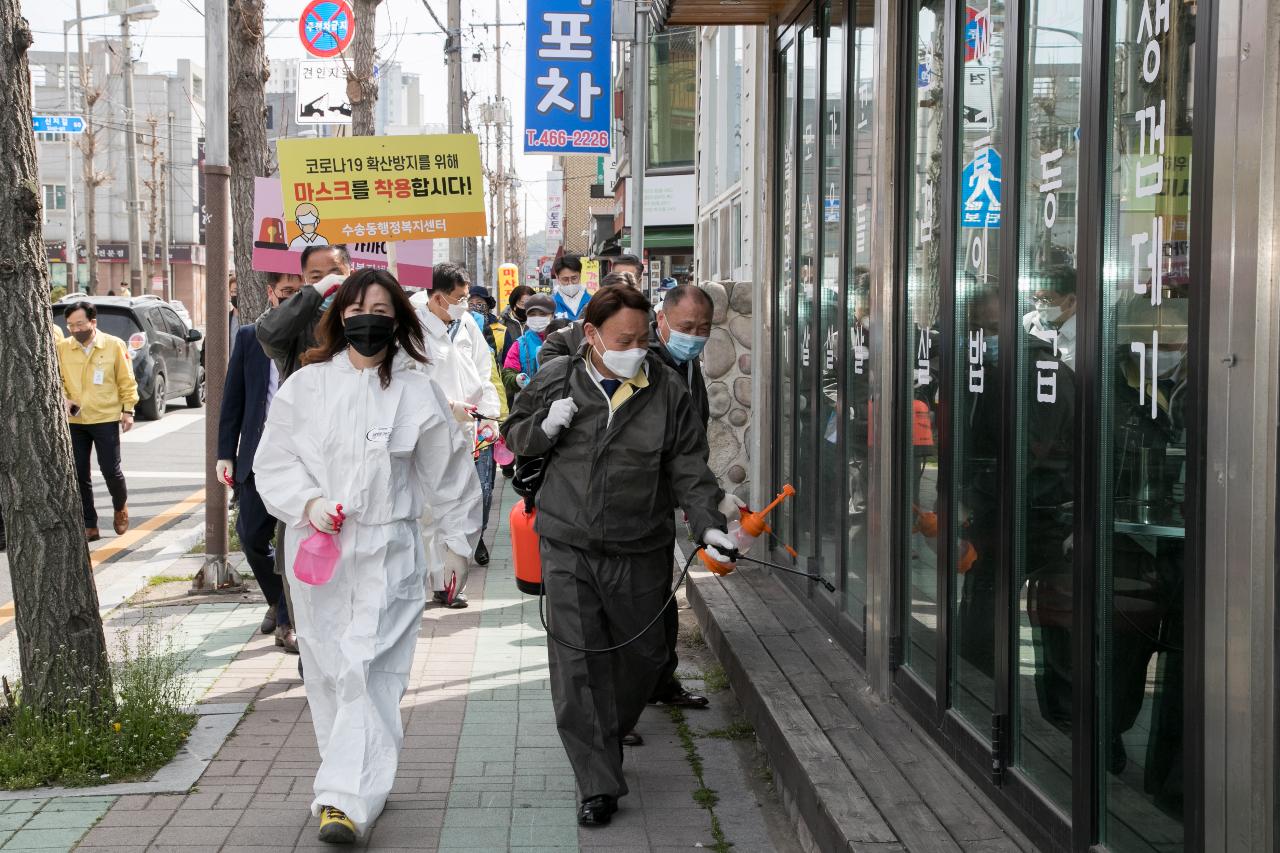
[(355, 410)]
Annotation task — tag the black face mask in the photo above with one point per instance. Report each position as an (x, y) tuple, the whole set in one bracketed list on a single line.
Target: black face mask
[(369, 334), (519, 314)]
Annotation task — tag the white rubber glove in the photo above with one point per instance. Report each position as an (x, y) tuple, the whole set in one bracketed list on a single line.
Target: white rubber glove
[(718, 544), (522, 380), (328, 284), (325, 516), (729, 506), (225, 472), (462, 412), (559, 416)]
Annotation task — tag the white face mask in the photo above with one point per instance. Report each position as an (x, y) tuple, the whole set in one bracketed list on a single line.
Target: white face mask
[(569, 291), (537, 324), (1050, 314), (623, 363), (458, 310)]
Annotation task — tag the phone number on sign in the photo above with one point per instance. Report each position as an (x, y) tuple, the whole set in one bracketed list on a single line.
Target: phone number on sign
[(561, 138)]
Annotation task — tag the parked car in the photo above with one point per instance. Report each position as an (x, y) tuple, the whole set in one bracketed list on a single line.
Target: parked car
[(168, 360), (181, 311)]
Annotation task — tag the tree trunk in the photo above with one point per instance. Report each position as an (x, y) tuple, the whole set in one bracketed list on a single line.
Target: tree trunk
[(60, 638), (362, 89), (251, 156)]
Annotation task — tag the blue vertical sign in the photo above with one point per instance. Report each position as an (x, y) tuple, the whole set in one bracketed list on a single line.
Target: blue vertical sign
[(568, 79)]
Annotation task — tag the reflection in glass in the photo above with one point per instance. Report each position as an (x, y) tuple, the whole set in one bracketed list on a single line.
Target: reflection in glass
[(923, 347), (830, 461), (975, 514), (858, 365), (1045, 401), (1144, 385), (808, 434), (784, 286)]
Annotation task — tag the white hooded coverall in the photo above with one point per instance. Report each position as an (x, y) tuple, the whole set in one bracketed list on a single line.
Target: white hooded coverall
[(460, 366), (386, 455)]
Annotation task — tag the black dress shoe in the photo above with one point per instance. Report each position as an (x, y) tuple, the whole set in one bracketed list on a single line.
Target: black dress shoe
[(268, 625), (632, 739), (681, 698), (597, 811), (482, 554)]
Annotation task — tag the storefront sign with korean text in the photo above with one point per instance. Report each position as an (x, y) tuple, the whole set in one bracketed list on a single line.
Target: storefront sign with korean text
[(567, 75), (381, 188)]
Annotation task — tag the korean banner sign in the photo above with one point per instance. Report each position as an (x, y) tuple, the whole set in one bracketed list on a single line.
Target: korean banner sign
[(381, 188), (567, 73)]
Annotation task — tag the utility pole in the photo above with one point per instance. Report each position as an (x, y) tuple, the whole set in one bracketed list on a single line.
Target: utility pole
[(453, 55), (639, 129), (156, 162), (216, 575), (131, 163), (89, 171), (166, 199), (73, 260), (499, 125)]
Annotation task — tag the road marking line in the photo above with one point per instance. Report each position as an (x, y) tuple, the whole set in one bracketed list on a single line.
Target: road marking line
[(105, 552), (115, 546), (157, 429)]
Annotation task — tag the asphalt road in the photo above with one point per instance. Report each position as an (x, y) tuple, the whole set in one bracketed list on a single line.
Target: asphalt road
[(164, 470)]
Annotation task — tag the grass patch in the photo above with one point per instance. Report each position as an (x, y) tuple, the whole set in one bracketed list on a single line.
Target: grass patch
[(715, 679), (85, 745), (739, 729), (161, 580), (705, 797), (696, 640), (233, 540)]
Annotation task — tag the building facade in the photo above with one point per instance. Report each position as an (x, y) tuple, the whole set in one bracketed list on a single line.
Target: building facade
[(169, 115), (1014, 340)]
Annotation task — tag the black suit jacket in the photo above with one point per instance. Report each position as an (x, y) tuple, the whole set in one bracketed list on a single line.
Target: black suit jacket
[(244, 402)]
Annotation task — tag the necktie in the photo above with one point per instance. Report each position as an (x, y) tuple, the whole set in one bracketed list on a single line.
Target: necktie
[(610, 386)]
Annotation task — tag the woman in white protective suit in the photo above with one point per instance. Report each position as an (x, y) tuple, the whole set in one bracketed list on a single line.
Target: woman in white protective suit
[(359, 442)]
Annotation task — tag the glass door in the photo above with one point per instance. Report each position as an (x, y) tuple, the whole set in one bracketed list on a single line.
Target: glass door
[(785, 326)]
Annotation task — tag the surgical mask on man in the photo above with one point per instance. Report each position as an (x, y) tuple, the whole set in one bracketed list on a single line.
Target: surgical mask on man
[(569, 291), (685, 348), (458, 310), (369, 334), (1049, 314), (624, 363), (538, 323)]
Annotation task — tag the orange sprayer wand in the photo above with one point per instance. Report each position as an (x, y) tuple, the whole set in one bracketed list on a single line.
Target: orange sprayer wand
[(746, 529)]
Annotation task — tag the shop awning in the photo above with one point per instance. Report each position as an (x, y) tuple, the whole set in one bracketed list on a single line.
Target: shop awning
[(720, 12), (664, 238)]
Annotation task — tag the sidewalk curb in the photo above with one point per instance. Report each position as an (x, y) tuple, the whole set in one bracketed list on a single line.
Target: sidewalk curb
[(216, 722), (824, 797)]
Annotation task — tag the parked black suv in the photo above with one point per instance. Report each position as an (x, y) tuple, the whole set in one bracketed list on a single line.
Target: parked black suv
[(167, 358)]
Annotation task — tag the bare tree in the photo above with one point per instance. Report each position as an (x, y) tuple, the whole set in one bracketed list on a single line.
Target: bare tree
[(154, 187), (90, 176), (251, 156), (362, 89), (60, 639)]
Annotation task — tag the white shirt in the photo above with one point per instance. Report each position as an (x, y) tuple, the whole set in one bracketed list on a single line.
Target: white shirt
[(302, 241)]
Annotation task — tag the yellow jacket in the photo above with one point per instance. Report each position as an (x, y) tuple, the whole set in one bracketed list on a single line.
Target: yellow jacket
[(100, 402)]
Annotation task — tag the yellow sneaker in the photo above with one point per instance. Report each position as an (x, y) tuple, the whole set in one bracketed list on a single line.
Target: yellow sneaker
[(336, 827)]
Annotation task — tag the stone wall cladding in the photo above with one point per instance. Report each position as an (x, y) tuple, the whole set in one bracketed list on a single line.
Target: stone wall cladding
[(727, 365)]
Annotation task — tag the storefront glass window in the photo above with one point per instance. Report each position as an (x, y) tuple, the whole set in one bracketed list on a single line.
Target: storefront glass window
[(808, 436), (673, 92), (1046, 397), (784, 287), (831, 526), (976, 417), (858, 367), (923, 356), (1143, 377)]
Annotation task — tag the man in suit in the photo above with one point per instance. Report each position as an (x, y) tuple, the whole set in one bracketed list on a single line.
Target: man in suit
[(252, 380)]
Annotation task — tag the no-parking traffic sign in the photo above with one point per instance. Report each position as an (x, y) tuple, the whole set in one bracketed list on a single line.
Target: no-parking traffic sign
[(326, 27)]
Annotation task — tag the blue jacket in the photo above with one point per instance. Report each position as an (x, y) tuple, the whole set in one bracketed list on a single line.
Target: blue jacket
[(564, 312), (244, 402), (530, 343)]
